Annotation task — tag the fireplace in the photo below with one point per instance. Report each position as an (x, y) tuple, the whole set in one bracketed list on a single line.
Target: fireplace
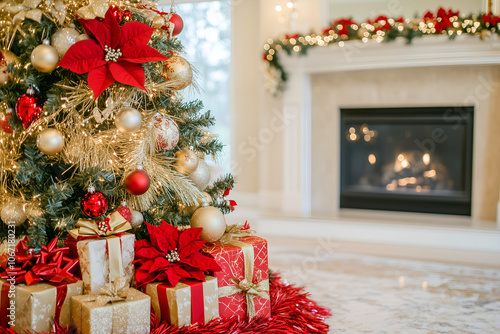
[(407, 159)]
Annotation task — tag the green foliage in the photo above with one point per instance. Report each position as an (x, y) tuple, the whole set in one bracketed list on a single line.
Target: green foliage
[(58, 188)]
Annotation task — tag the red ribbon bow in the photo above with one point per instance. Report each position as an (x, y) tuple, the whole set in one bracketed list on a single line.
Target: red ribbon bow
[(50, 265)]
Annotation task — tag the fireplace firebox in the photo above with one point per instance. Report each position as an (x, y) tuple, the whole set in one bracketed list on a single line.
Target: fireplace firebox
[(407, 159)]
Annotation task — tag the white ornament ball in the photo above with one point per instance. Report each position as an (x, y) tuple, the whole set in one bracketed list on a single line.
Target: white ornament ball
[(50, 141), (137, 219), (167, 133), (13, 213), (63, 39), (45, 57), (201, 176), (128, 120), (6, 58)]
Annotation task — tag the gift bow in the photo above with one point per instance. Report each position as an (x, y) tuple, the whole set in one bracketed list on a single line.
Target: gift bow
[(111, 292), (234, 232), (50, 265), (113, 224), (249, 290), (246, 286), (96, 8), (26, 10)]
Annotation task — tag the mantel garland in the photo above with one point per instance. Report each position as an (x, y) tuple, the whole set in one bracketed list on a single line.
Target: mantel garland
[(380, 29)]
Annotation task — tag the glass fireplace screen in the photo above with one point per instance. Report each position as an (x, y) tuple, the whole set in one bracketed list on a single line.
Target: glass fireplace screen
[(407, 159)]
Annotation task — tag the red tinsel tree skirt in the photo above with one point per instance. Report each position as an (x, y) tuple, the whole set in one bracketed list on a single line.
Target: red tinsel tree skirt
[(291, 312)]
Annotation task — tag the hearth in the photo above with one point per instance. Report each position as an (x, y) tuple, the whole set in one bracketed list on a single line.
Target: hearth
[(407, 159)]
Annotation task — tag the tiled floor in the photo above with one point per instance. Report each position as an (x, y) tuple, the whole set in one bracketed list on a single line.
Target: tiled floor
[(368, 294)]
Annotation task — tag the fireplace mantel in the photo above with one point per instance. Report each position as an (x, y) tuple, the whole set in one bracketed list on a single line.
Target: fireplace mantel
[(428, 52), (425, 51)]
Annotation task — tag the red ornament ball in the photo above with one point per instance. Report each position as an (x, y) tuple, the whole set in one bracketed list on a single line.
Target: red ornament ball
[(4, 121), (125, 212), (116, 12), (28, 108), (137, 182), (178, 24), (94, 204), (127, 15)]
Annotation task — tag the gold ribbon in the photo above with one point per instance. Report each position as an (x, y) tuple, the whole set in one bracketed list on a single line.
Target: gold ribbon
[(117, 224), (246, 286), (88, 227), (111, 292), (26, 10), (96, 8)]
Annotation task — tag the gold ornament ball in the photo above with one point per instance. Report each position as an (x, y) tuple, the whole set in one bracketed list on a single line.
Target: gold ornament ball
[(45, 57), (206, 199), (13, 213), (178, 72), (187, 161), (137, 219), (128, 120), (6, 58), (50, 141), (63, 39), (158, 21), (211, 220), (201, 176), (485, 34), (362, 32)]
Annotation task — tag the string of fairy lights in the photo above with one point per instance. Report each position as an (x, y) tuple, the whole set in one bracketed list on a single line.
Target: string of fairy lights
[(381, 29)]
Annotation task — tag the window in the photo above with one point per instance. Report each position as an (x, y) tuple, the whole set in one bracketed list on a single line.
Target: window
[(207, 44)]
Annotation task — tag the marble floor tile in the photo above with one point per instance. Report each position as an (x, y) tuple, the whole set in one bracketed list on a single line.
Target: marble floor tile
[(368, 294)]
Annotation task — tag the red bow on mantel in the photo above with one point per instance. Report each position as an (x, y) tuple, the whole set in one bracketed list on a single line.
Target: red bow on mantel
[(50, 265)]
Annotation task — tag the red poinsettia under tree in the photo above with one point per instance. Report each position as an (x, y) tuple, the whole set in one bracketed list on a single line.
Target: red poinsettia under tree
[(171, 255)]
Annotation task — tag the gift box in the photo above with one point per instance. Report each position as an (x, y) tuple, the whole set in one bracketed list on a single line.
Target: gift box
[(36, 307), (104, 259), (98, 314), (188, 302), (105, 251), (244, 279)]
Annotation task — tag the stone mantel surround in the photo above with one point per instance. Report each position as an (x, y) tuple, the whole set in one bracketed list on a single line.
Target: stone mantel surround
[(432, 71)]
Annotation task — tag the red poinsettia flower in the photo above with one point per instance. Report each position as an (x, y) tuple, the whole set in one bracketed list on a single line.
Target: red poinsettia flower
[(491, 19), (428, 16), (341, 26), (171, 255), (115, 54)]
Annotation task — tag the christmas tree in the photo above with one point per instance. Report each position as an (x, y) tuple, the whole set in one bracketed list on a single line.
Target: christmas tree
[(92, 116), (102, 169)]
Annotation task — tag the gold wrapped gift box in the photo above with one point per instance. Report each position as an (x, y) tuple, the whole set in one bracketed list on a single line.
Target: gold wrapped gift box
[(186, 303), (35, 306), (102, 260), (130, 316)]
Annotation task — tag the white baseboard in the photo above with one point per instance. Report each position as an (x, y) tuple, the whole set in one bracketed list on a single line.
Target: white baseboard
[(471, 239)]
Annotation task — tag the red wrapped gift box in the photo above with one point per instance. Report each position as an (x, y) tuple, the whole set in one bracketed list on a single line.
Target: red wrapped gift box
[(235, 291)]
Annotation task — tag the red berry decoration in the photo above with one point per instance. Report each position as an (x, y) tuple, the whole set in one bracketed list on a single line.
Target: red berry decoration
[(178, 24), (137, 182), (4, 121), (28, 108), (125, 212), (94, 204), (127, 15), (116, 12)]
